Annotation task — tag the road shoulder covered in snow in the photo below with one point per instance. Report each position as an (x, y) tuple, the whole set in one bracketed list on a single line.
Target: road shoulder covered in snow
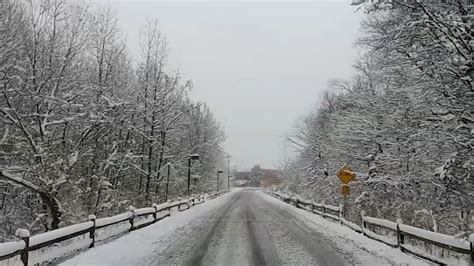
[(131, 248), (354, 246)]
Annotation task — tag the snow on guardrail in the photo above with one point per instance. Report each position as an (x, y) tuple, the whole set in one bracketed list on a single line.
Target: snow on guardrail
[(448, 242), (113, 219), (144, 211), (436, 237), (318, 205), (381, 222), (382, 238), (352, 225), (332, 208), (307, 202), (9, 248), (58, 233), (87, 231)]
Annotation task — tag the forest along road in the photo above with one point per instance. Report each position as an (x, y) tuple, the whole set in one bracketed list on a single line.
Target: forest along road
[(247, 230)]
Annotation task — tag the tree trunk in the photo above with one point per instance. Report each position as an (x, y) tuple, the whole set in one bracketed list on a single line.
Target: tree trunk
[(50, 204)]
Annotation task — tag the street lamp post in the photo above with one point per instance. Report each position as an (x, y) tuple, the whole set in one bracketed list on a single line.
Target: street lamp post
[(218, 172), (168, 181), (191, 157)]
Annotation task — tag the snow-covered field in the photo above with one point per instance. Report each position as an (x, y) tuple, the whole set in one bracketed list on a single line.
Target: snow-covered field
[(244, 227)]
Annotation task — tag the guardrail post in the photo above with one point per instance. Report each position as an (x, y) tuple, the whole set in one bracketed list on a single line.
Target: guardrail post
[(92, 218), (24, 234), (400, 238), (323, 210), (179, 203), (472, 252), (341, 213), (156, 211), (312, 206), (130, 220), (364, 223)]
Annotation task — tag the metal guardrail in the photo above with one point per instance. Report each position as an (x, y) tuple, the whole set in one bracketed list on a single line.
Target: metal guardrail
[(157, 212), (401, 231)]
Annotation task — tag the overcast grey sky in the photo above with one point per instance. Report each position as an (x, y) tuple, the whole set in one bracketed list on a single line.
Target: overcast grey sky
[(258, 65)]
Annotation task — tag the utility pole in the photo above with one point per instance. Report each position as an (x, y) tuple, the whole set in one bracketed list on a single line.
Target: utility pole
[(189, 174), (228, 172), (217, 185)]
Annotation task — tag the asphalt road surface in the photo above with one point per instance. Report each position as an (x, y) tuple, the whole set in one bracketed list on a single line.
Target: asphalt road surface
[(247, 230)]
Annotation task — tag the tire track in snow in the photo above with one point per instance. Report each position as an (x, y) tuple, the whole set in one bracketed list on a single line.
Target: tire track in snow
[(262, 247), (295, 241), (202, 248)]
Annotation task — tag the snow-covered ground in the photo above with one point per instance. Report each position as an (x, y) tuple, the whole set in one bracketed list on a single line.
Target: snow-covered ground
[(354, 246), (244, 227), (139, 244)]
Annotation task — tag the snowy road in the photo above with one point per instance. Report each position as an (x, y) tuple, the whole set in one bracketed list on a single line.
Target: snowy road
[(247, 230), (245, 227)]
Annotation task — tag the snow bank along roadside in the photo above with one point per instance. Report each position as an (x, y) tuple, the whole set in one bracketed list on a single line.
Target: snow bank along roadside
[(365, 250), (139, 244), (65, 241)]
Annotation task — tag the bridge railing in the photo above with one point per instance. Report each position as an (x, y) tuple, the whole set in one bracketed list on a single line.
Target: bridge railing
[(85, 235), (397, 235)]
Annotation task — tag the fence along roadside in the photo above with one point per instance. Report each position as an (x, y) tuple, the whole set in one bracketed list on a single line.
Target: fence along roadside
[(135, 218), (401, 231)]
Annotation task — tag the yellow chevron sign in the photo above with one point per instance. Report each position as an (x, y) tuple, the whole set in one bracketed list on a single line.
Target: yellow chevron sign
[(346, 174)]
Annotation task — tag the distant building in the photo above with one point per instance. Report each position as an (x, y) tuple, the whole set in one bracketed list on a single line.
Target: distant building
[(242, 175), (270, 178), (241, 179)]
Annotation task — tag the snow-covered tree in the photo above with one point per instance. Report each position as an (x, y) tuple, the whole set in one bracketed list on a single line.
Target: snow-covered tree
[(404, 123), (82, 130)]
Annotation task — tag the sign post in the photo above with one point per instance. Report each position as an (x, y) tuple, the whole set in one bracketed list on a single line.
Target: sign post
[(346, 175)]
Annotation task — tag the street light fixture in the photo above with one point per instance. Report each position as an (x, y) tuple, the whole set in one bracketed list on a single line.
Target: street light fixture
[(218, 172), (193, 156)]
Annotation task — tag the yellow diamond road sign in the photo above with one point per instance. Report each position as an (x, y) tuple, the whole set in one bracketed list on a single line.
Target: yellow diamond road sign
[(346, 174)]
